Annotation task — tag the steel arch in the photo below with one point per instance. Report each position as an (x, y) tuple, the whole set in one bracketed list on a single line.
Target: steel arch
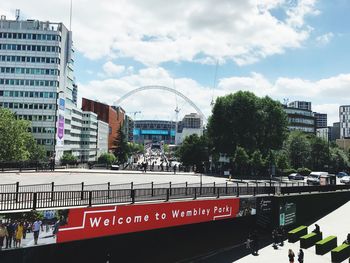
[(152, 87)]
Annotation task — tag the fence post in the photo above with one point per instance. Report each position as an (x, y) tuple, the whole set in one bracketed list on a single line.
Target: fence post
[(237, 190), (17, 191), (132, 185), (170, 188), (218, 193), (167, 194), (35, 198), (152, 192), (195, 193), (186, 188), (52, 190), (90, 198), (214, 187), (132, 196), (226, 190), (109, 189), (82, 190)]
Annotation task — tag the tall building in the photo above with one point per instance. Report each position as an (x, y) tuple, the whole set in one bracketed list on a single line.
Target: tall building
[(344, 119), (37, 83), (190, 124), (114, 116), (300, 120), (303, 105), (320, 120), (102, 137), (335, 131)]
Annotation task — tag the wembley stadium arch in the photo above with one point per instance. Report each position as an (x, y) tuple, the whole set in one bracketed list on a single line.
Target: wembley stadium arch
[(157, 87)]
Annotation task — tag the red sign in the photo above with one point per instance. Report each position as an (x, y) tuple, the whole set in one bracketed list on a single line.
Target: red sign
[(94, 222)]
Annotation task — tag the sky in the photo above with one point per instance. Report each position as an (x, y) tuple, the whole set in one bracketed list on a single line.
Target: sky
[(286, 49)]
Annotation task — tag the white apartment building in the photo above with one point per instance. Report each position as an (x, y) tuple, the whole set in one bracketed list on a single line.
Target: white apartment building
[(344, 118), (37, 83)]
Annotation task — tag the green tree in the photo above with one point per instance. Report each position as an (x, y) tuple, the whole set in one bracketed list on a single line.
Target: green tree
[(194, 150), (298, 147), (135, 148), (320, 154), (68, 158), (245, 120), (107, 158), (282, 161), (241, 161), (122, 149), (16, 143), (338, 160), (257, 163)]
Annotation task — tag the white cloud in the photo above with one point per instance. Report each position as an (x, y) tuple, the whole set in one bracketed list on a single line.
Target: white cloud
[(325, 94), (156, 31), (113, 69), (325, 38)]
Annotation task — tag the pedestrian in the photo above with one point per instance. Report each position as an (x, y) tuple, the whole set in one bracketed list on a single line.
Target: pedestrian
[(255, 244), (347, 240), (291, 256), (10, 234), (36, 229), (275, 239), (3, 234), (301, 256), (52, 163), (317, 229), (281, 235), (248, 242), (19, 234), (174, 168)]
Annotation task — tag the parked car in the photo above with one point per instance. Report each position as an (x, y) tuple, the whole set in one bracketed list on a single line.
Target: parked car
[(342, 174), (345, 180), (314, 177), (295, 176), (114, 167)]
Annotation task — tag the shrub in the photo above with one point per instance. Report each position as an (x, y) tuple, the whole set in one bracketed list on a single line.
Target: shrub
[(107, 158), (304, 171), (68, 158)]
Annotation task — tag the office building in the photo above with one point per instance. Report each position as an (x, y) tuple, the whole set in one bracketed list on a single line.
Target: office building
[(344, 119), (114, 116), (37, 83), (303, 105), (300, 119), (320, 120), (102, 137), (190, 124)]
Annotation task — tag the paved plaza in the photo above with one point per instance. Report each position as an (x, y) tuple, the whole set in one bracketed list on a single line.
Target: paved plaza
[(72, 176), (335, 223)]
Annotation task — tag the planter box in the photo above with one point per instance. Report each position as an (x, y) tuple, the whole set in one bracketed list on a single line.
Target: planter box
[(295, 234), (310, 239), (341, 253), (325, 245)]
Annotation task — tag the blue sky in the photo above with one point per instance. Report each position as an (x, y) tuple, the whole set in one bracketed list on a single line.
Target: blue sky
[(295, 49)]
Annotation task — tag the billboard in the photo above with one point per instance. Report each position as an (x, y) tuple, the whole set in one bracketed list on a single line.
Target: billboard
[(287, 214), (57, 226)]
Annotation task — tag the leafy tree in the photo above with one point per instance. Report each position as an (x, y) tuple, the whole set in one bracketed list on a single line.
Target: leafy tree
[(107, 158), (320, 155), (282, 161), (338, 160), (122, 149), (193, 151), (241, 161), (257, 162), (245, 120), (16, 142), (298, 147), (135, 148), (68, 158)]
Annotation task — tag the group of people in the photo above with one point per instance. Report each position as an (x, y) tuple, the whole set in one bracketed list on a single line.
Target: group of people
[(291, 256), (12, 232)]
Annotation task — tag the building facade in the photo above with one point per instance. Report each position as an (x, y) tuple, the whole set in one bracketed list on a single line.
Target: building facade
[(320, 120), (37, 83), (344, 119), (190, 124), (102, 137), (303, 105), (300, 120), (114, 116)]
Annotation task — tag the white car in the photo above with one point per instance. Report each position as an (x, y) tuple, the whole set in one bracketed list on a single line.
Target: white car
[(345, 180)]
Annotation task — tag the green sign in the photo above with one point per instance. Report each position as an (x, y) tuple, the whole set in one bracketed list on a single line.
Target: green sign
[(287, 214)]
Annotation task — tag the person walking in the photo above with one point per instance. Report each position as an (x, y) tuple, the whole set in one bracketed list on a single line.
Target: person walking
[(291, 256), (3, 234), (174, 168), (19, 234), (36, 229), (301, 256), (10, 234)]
